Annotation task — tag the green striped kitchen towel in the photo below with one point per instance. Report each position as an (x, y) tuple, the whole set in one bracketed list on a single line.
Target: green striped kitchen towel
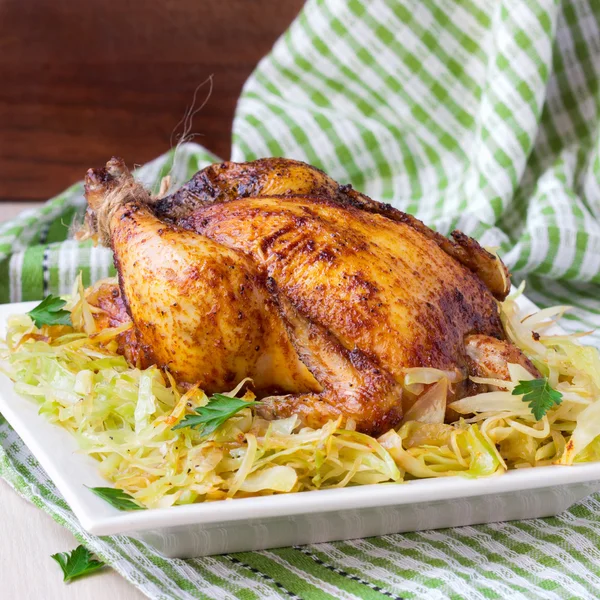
[(481, 115)]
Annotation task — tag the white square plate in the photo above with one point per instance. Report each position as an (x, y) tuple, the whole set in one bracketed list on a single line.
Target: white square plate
[(291, 519)]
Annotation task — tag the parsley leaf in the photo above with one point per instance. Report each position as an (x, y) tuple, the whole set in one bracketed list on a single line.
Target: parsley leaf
[(77, 563), (540, 396), (211, 416), (117, 498), (50, 312)]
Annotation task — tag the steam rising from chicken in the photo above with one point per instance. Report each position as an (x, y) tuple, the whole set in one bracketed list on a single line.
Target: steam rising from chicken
[(273, 271)]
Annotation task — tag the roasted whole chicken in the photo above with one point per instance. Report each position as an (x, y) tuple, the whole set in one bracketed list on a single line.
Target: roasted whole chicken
[(323, 297)]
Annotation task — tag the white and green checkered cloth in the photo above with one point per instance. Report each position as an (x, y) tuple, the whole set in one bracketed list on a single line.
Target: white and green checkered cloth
[(482, 115)]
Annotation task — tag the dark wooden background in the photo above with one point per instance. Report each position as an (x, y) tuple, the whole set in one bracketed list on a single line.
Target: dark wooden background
[(81, 80)]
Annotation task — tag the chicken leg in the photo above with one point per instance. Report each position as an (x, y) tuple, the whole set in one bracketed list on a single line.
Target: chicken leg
[(199, 309)]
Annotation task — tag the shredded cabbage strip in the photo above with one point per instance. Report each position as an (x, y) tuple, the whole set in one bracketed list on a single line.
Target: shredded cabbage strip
[(123, 417)]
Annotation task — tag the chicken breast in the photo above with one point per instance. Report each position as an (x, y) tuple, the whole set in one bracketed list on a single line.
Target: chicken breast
[(271, 270)]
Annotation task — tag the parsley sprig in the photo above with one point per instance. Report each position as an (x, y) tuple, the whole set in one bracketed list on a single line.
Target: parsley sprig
[(77, 563), (210, 417), (117, 498), (539, 394), (50, 312)]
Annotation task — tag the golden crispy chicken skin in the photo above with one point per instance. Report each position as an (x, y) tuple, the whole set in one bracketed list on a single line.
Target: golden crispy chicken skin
[(228, 181), (271, 270)]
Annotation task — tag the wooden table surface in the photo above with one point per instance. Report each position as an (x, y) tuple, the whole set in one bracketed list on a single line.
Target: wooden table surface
[(28, 537), (83, 81)]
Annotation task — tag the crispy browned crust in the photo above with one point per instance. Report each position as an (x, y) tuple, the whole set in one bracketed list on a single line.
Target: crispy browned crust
[(229, 181), (355, 273)]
